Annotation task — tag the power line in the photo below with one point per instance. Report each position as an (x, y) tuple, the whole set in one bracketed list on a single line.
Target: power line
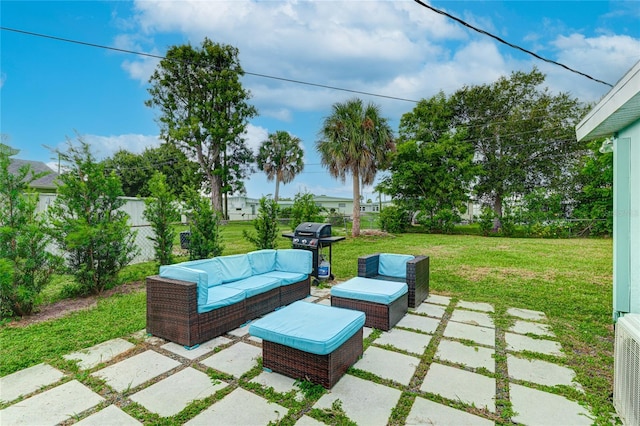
[(151, 55), (495, 37)]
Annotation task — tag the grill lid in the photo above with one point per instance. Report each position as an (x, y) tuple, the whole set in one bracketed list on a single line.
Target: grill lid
[(314, 230)]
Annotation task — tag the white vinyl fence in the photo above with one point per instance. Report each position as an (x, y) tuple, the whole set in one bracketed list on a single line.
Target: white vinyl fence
[(134, 207)]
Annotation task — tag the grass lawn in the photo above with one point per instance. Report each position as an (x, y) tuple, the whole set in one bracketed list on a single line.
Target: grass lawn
[(569, 280)]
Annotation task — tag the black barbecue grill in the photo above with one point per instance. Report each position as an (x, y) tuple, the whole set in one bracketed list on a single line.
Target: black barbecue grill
[(314, 237)]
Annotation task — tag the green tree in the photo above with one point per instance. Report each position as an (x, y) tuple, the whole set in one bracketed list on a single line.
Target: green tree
[(205, 240), (304, 209), (135, 170), (203, 106), (27, 265), (432, 170), (594, 191), (87, 222), (161, 211), (266, 225), (280, 156), (355, 139), (523, 136)]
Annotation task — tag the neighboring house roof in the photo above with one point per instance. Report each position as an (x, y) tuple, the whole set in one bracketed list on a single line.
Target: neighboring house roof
[(615, 111), (45, 182)]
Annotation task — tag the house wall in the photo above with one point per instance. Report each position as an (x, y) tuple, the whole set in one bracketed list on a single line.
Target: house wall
[(626, 228)]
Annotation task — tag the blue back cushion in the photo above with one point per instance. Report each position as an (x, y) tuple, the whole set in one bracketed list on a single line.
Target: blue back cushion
[(293, 260), (394, 265), (262, 261), (233, 268), (208, 266)]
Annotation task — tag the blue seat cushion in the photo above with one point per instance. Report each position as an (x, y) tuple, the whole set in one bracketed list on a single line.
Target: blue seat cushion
[(393, 265), (286, 278), (309, 327), (254, 285), (220, 296), (370, 290)]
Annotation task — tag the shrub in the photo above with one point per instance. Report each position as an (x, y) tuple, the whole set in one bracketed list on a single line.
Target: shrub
[(266, 225), (304, 209), (26, 265), (87, 223), (161, 212), (486, 219), (393, 219), (205, 240)]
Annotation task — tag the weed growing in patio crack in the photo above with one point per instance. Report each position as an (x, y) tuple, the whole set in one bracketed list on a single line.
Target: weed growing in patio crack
[(333, 416), (310, 390), (401, 411), (216, 375)]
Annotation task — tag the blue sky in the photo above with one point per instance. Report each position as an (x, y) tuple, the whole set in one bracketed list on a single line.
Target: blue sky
[(51, 90)]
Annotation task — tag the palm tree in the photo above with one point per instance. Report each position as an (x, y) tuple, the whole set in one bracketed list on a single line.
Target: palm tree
[(355, 140), (280, 157)]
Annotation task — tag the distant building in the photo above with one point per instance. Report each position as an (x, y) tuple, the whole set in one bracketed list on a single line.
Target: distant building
[(46, 183)]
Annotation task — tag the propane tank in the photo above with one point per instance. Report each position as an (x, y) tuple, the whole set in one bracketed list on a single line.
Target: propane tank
[(324, 269)]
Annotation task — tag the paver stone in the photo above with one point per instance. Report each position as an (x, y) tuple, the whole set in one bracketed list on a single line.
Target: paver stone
[(431, 310), (460, 385), (29, 380), (534, 407), (438, 300), (406, 340), (476, 306), (528, 327), (171, 395), (364, 402), (527, 314), (472, 318), (132, 372), (103, 352), (425, 412), (279, 383), (519, 343), (240, 408), (54, 406), (469, 356), (110, 415), (388, 365), (235, 360), (417, 322), (202, 349), (541, 372), (483, 335)]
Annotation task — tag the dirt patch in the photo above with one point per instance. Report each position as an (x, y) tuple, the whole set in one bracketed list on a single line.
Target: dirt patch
[(480, 273), (66, 306), (374, 233)]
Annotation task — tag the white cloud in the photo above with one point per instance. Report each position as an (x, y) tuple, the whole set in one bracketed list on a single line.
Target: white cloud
[(105, 146)]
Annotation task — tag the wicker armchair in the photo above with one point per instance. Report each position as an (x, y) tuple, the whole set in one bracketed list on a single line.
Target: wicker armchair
[(417, 275)]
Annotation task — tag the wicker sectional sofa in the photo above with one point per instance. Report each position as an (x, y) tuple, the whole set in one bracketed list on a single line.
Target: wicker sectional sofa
[(191, 302)]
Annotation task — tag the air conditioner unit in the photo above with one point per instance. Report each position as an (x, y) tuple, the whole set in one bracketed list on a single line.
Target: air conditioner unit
[(626, 380)]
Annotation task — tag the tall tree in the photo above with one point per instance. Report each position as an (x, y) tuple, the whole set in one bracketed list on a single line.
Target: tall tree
[(594, 190), (432, 169), (203, 106), (523, 136), (280, 156), (355, 139)]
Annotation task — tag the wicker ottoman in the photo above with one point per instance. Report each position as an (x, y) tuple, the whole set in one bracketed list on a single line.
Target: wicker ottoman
[(383, 302), (310, 342)]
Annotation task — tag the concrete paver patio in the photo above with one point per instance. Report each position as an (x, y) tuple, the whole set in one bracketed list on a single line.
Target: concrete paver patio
[(441, 365)]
